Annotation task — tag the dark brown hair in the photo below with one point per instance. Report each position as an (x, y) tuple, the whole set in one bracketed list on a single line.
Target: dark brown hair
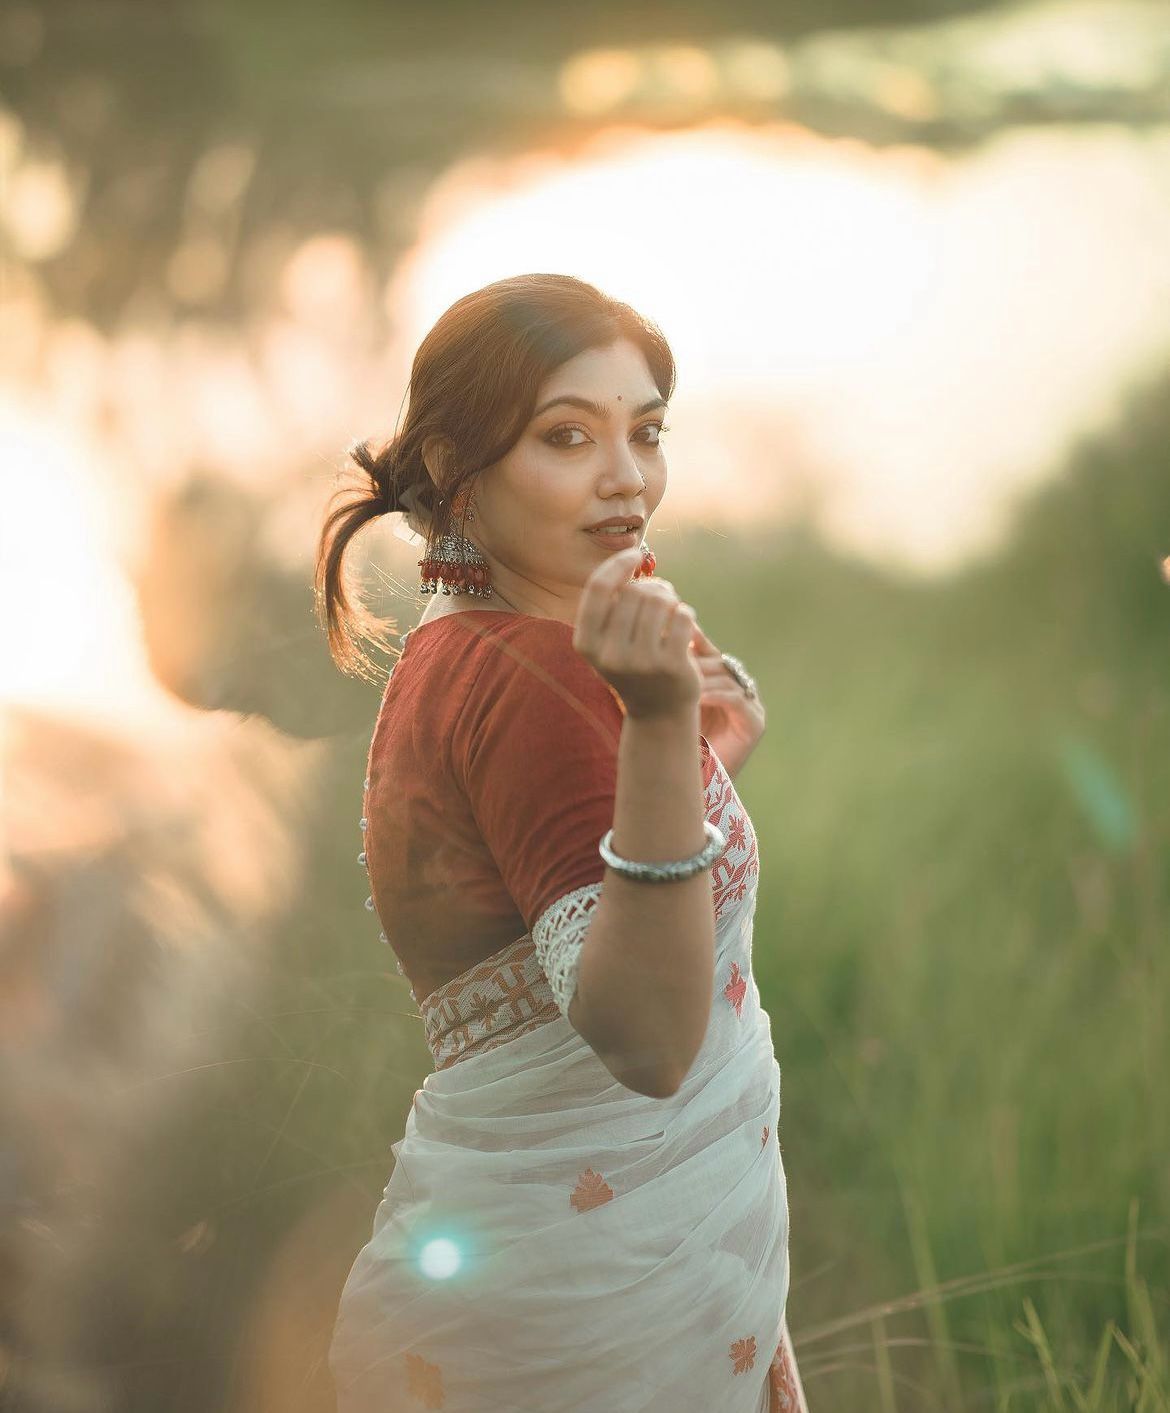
[(474, 380)]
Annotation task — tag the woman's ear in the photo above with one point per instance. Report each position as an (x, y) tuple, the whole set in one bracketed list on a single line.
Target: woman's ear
[(436, 453)]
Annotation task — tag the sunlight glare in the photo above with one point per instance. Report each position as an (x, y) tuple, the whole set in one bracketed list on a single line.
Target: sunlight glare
[(875, 338), (439, 1259), (71, 637), (771, 231)]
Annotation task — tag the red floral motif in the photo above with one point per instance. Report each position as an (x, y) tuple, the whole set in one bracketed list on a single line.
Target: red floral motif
[(734, 885), (783, 1385), (743, 1354), (500, 998), (426, 1382), (740, 860), (592, 1190), (725, 870), (736, 989), (459, 1037), (765, 1137), (722, 788), (480, 1009)]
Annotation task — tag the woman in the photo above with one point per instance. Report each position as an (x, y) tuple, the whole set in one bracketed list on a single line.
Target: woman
[(588, 1209)]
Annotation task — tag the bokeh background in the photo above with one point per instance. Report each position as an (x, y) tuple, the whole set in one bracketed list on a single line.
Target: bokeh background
[(914, 260)]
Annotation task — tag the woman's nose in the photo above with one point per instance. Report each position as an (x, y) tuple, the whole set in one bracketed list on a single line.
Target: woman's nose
[(626, 475)]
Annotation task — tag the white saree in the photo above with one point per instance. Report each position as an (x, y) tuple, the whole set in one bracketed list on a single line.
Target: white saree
[(551, 1240)]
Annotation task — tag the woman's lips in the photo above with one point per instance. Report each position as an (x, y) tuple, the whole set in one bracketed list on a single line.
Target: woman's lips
[(622, 541)]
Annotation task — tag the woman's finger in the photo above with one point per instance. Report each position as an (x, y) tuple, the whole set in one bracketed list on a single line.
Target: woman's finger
[(601, 593), (714, 669), (704, 646)]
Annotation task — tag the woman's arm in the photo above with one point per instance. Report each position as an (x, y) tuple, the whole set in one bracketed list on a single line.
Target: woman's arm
[(643, 993), (643, 996)]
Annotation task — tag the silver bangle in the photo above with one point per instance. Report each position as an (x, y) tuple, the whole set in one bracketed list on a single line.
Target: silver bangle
[(673, 869)]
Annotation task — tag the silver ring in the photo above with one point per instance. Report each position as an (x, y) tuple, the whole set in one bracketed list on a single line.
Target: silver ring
[(741, 675)]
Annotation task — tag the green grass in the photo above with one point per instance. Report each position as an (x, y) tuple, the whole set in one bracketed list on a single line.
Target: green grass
[(962, 940)]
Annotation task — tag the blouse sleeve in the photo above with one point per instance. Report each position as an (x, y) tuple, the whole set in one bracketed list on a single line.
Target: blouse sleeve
[(537, 747)]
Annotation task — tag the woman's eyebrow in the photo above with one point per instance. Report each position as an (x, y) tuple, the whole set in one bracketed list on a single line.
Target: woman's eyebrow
[(597, 408)]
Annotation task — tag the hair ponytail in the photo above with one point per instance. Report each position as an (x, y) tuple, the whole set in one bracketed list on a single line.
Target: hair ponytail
[(380, 468), (345, 619)]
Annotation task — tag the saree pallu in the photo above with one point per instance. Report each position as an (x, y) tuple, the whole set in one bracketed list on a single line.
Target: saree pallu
[(551, 1240)]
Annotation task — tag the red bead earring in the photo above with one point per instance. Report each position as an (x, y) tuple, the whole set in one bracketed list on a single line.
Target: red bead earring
[(649, 563), (456, 562)]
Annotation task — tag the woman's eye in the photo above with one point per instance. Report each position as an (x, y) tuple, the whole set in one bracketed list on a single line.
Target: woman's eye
[(557, 436), (554, 437)]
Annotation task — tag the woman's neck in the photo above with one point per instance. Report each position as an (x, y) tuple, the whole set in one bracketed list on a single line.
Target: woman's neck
[(443, 604)]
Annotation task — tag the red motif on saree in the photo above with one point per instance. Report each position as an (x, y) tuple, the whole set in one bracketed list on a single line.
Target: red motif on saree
[(743, 1354), (591, 1191), (505, 995), (740, 860), (426, 1382), (736, 989), (783, 1390)]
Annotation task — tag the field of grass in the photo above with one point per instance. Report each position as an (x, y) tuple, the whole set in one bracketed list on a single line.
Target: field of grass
[(962, 939)]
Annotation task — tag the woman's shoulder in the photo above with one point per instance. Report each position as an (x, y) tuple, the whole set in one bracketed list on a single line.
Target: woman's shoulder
[(529, 653), (526, 680), (484, 654), (497, 641)]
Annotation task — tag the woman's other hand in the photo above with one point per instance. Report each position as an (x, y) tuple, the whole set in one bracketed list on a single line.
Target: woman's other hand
[(731, 721)]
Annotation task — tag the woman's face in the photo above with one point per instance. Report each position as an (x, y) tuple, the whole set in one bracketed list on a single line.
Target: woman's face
[(572, 467)]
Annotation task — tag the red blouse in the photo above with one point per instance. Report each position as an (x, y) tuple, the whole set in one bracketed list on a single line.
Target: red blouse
[(492, 775)]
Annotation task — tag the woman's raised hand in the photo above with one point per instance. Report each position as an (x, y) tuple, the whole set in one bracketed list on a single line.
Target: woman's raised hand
[(637, 634)]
